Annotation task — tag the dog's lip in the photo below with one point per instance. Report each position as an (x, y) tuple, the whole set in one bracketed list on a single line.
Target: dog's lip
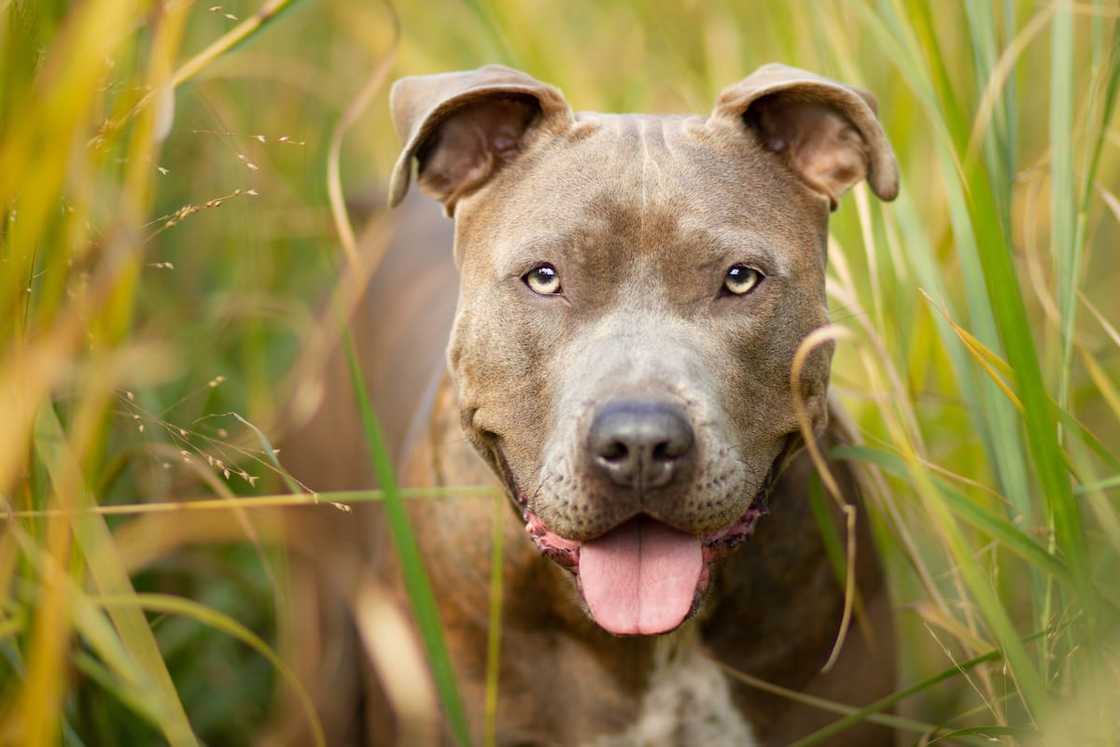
[(562, 551), (565, 552)]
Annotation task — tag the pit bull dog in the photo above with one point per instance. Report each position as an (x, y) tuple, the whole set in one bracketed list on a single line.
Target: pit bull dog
[(632, 293)]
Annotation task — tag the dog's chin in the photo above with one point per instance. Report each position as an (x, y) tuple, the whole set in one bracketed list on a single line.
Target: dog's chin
[(643, 577)]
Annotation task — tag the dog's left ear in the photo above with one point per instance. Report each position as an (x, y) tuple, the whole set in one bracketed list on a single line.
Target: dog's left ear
[(463, 127), (825, 132)]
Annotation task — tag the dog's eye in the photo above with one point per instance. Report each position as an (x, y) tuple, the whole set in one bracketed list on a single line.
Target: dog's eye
[(543, 280), (741, 280)]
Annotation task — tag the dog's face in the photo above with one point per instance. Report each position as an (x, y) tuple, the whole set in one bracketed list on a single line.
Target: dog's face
[(634, 291)]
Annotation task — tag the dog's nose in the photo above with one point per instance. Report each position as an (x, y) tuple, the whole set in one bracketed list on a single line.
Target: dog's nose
[(640, 444)]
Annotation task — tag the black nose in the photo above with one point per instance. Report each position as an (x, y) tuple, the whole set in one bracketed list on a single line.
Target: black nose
[(639, 444)]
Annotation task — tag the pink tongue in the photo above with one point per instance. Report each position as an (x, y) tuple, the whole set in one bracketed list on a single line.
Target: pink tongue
[(640, 578)]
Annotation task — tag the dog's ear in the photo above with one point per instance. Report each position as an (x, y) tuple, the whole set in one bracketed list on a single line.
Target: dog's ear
[(463, 127), (824, 131)]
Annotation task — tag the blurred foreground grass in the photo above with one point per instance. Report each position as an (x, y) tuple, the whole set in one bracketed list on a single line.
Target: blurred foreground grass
[(166, 239)]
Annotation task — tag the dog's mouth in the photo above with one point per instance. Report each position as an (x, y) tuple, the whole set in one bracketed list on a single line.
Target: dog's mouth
[(643, 577)]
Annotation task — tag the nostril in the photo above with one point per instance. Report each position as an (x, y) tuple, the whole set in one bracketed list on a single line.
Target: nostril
[(671, 439), (664, 452), (614, 451)]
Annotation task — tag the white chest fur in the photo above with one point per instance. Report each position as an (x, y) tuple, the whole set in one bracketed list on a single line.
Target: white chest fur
[(688, 703)]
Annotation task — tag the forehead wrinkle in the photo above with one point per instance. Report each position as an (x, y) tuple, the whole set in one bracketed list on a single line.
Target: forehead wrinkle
[(644, 205), (728, 241), (651, 133)]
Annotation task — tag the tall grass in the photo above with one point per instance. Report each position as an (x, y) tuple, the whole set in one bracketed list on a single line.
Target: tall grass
[(167, 231)]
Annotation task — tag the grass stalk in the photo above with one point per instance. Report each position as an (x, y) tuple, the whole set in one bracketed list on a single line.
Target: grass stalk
[(93, 537), (494, 632), (424, 607), (1063, 201), (859, 715)]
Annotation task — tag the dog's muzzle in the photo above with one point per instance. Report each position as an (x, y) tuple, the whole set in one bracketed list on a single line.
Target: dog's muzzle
[(641, 576)]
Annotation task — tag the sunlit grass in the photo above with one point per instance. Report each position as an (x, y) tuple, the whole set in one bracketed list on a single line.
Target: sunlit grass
[(164, 257)]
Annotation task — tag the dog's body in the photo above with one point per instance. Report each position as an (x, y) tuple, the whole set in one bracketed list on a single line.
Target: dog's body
[(632, 396)]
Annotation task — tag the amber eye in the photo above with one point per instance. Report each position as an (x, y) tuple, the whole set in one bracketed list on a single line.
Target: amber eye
[(543, 279), (741, 280)]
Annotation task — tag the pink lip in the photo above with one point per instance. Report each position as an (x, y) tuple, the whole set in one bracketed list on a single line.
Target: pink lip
[(617, 614), (565, 552)]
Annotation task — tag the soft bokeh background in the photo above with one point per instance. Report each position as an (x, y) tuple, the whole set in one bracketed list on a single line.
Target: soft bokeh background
[(164, 265)]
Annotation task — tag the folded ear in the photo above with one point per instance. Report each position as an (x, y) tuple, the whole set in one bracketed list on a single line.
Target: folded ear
[(463, 127), (826, 132)]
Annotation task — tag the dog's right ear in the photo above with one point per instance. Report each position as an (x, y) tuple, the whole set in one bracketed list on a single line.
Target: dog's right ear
[(463, 127)]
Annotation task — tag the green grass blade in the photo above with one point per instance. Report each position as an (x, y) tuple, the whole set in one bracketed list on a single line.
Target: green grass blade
[(125, 679), (1015, 331), (991, 732), (234, 38), (1108, 483), (841, 725), (168, 604), (110, 576), (1063, 199), (994, 418), (1108, 108), (494, 637), (968, 511), (982, 32), (897, 723), (338, 498), (998, 317), (132, 697), (830, 535), (1041, 427), (412, 565)]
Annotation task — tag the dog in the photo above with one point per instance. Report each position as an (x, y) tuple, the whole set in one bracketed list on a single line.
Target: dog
[(632, 292)]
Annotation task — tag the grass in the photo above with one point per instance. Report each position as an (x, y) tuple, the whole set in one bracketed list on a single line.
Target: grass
[(424, 605), (163, 257)]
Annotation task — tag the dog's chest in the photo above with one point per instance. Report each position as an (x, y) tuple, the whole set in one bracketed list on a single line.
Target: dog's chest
[(688, 702)]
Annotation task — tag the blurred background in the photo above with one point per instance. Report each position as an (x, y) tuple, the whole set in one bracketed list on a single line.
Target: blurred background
[(171, 270)]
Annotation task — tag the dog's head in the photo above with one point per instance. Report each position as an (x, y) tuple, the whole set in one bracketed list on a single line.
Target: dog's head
[(634, 290)]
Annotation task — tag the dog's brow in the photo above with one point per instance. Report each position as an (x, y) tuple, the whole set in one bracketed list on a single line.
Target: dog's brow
[(716, 245), (536, 248), (545, 246), (555, 241)]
